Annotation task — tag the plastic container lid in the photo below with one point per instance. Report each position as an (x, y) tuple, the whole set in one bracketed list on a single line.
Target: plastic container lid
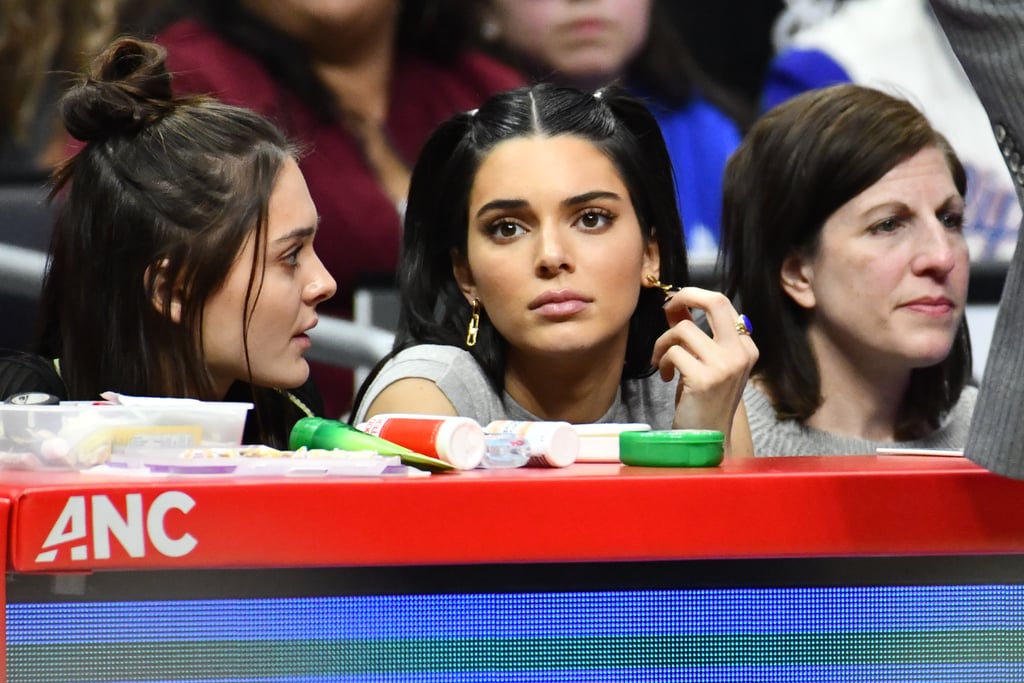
[(672, 448), (599, 442)]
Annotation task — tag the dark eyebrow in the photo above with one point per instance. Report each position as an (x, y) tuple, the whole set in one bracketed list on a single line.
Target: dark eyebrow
[(510, 204), (297, 233), (890, 206), (501, 204), (955, 198), (587, 197)]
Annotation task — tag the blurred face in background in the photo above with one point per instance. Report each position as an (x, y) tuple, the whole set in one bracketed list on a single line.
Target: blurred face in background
[(328, 26), (588, 42)]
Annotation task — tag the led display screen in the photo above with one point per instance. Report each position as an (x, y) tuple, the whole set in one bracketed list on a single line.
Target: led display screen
[(862, 619)]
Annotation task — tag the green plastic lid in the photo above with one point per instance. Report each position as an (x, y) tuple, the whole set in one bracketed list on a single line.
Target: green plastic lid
[(303, 432), (672, 448)]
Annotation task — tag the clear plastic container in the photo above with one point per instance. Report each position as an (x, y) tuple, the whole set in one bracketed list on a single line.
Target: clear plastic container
[(82, 434), (550, 444), (505, 451)]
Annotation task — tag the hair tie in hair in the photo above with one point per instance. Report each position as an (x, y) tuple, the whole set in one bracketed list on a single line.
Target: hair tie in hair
[(599, 93), (472, 113)]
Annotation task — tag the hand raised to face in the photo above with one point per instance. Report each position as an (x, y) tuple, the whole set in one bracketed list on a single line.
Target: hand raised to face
[(713, 370)]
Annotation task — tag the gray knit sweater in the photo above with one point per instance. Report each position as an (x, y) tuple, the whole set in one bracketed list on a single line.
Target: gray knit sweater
[(773, 436)]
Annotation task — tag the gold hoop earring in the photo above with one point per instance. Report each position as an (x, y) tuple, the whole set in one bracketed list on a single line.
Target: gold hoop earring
[(668, 290), (474, 323)]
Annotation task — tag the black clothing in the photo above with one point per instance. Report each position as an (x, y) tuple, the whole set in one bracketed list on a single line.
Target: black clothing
[(270, 421)]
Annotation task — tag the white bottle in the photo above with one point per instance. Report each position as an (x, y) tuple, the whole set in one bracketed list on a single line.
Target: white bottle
[(551, 444)]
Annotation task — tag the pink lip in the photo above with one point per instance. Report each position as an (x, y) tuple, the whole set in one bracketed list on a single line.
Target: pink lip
[(302, 335), (931, 305), (560, 303), (587, 27)]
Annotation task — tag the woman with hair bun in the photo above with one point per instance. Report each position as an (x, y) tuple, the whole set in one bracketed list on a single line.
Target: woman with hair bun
[(182, 260)]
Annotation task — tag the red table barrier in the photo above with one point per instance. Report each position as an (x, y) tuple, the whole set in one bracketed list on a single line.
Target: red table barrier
[(756, 508)]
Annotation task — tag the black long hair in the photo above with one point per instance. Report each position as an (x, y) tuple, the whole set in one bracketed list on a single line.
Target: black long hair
[(433, 308)]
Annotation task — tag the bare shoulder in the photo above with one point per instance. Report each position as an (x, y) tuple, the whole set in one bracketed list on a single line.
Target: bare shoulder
[(412, 395)]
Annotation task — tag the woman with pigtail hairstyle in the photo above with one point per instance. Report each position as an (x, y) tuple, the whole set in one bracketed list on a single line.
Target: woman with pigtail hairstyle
[(541, 261)]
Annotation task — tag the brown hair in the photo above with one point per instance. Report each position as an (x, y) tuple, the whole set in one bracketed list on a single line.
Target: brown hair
[(797, 165), (165, 190), (40, 38)]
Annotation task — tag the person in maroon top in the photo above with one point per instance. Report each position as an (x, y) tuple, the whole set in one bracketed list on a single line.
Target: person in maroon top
[(361, 84)]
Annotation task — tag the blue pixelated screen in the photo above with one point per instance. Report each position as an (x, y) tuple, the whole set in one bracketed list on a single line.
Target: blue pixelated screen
[(930, 619)]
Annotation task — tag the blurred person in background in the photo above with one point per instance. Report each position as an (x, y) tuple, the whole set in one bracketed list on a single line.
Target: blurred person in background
[(43, 45)]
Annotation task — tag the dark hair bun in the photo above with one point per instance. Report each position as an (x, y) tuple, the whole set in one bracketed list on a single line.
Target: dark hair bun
[(126, 89)]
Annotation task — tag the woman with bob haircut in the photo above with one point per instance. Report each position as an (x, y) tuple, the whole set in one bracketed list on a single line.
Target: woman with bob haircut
[(541, 243), (182, 262), (843, 242)]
